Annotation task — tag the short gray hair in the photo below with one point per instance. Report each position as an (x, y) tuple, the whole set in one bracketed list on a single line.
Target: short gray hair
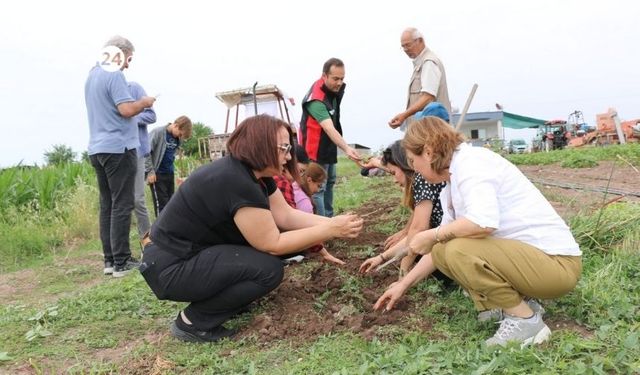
[(121, 42), (415, 33)]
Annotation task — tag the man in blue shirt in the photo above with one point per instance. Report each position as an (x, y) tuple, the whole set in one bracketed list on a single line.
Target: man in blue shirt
[(145, 118), (113, 139)]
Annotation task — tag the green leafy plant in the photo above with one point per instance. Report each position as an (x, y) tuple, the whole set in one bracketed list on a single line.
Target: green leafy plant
[(41, 321)]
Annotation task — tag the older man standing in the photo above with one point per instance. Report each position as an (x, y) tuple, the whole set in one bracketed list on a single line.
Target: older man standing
[(428, 81), (113, 140)]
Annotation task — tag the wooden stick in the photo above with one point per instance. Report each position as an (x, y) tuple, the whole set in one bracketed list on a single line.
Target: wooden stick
[(466, 106)]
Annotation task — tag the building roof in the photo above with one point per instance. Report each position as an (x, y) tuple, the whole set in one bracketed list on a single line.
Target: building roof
[(245, 95), (509, 120)]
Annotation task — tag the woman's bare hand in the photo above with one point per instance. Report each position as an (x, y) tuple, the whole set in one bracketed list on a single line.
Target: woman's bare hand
[(326, 255), (391, 296), (370, 264), (422, 243), (346, 226)]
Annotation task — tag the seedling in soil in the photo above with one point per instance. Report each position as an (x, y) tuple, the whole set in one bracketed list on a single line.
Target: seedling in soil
[(321, 303), (351, 289)]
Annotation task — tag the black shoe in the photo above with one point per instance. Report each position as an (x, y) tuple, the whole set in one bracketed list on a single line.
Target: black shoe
[(243, 310), (120, 270), (108, 267), (185, 332)]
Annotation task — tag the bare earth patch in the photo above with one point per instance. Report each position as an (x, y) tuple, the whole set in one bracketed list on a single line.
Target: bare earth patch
[(583, 182), (30, 285)]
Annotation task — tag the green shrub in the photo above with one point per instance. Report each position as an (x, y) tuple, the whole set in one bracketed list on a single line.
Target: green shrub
[(579, 161), (606, 228), (26, 241), (629, 152)]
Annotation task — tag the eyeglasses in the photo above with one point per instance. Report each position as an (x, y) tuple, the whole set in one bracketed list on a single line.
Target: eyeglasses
[(285, 147), (409, 44)]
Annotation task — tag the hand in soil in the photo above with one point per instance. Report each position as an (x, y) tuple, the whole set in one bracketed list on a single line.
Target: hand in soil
[(348, 226), (394, 239), (326, 255), (370, 264), (391, 296)]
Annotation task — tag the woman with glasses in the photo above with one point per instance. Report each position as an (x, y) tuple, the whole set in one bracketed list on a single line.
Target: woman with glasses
[(217, 242)]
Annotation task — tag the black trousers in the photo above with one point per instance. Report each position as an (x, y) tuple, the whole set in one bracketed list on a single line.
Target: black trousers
[(161, 191), (218, 281), (116, 175)]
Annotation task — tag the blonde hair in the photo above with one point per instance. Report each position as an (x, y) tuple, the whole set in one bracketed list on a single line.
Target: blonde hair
[(183, 123), (433, 133)]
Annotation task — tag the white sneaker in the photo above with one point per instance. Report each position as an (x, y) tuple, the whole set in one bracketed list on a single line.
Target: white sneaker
[(524, 331), (496, 315)]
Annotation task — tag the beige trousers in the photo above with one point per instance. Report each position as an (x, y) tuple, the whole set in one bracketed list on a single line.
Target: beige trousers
[(498, 273)]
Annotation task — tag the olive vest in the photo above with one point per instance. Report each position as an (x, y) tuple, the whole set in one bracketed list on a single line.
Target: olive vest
[(415, 86)]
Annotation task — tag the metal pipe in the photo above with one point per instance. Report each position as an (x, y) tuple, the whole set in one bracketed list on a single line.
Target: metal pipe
[(255, 99)]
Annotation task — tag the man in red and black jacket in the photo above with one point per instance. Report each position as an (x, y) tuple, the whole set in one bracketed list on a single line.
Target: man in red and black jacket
[(320, 129)]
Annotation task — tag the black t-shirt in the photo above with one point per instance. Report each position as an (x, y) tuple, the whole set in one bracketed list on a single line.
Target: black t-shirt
[(200, 214)]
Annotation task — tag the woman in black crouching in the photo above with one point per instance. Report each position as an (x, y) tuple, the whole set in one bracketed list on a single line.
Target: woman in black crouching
[(216, 243)]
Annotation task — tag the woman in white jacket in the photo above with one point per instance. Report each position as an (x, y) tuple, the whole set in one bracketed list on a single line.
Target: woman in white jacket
[(500, 239)]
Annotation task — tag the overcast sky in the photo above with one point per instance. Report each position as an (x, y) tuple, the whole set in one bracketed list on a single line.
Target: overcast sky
[(540, 58)]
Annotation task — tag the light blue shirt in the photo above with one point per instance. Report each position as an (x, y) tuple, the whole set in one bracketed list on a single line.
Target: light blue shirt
[(144, 118), (109, 132)]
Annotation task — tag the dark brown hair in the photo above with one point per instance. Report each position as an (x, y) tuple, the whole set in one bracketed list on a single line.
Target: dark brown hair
[(331, 62), (395, 155), (316, 173), (255, 142)]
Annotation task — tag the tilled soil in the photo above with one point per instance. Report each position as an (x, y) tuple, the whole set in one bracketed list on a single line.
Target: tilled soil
[(585, 190), (317, 298)]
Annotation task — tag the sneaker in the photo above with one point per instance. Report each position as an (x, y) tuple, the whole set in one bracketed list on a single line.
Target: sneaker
[(185, 332), (120, 270), (524, 331), (496, 315), (293, 259), (108, 267)]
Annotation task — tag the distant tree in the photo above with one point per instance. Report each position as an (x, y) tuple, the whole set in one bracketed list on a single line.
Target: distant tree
[(59, 155), (190, 146)]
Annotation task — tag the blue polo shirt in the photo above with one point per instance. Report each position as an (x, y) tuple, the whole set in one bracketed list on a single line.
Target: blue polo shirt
[(109, 132)]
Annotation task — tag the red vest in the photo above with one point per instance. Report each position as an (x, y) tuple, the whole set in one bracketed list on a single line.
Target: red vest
[(312, 137)]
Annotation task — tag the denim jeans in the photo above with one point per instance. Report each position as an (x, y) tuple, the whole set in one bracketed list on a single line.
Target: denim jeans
[(323, 199), (116, 178)]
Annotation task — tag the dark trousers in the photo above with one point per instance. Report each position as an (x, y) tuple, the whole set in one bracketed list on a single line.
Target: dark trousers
[(161, 191), (218, 281), (116, 179)]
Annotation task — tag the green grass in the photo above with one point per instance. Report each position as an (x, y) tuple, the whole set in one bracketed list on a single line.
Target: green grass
[(352, 189), (574, 157), (76, 324)]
